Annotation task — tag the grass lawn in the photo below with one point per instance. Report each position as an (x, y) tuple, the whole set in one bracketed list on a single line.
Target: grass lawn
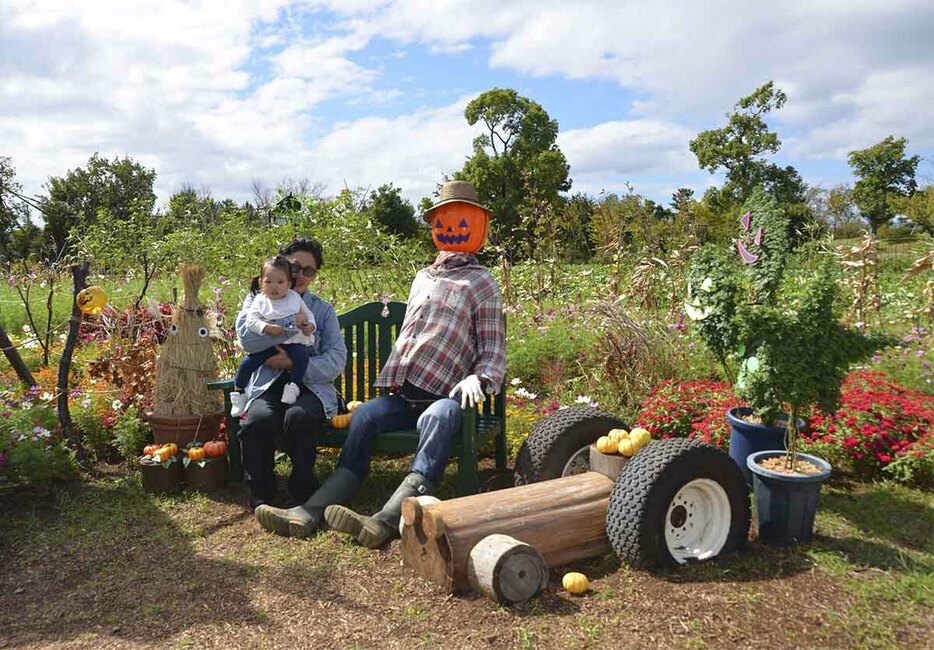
[(100, 564)]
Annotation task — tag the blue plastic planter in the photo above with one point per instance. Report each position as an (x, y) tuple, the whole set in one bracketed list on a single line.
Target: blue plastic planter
[(786, 503), (746, 438)]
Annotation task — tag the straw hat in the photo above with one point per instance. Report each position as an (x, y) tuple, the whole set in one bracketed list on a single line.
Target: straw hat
[(456, 192)]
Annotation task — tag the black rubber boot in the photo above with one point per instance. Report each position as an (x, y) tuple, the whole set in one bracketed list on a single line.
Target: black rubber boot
[(376, 531), (304, 520)]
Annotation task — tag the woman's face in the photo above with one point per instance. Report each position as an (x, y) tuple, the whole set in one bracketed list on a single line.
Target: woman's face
[(304, 275)]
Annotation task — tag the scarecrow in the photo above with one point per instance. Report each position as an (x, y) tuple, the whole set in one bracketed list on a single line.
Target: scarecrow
[(449, 354), (187, 362)]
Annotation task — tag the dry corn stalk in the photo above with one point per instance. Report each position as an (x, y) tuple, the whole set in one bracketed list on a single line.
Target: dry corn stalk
[(186, 361), (922, 265), (862, 277)]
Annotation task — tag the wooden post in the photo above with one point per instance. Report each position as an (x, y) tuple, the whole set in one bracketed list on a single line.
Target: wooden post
[(564, 519), (507, 570), (16, 361), (79, 273)]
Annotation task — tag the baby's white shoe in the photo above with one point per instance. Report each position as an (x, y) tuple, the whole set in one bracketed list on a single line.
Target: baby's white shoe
[(290, 393), (237, 404)]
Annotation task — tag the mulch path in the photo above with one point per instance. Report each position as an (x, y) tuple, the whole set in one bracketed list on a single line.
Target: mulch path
[(202, 574)]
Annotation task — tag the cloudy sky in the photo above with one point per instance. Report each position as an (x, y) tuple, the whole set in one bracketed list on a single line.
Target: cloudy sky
[(218, 93)]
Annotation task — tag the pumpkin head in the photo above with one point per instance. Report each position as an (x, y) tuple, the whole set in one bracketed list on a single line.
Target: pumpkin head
[(458, 222), (91, 300), (459, 227)]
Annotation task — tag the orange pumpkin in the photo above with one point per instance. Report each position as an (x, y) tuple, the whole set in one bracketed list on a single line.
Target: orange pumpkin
[(215, 448), (149, 450), (196, 453), (459, 227), (341, 420)]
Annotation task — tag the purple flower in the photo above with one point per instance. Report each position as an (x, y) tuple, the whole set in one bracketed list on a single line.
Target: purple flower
[(6, 414), (2, 459), (876, 358), (919, 353)]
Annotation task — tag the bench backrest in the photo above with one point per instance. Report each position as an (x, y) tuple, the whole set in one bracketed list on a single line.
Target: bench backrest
[(369, 333)]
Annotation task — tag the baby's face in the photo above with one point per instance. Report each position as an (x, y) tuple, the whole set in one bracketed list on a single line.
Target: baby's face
[(275, 283)]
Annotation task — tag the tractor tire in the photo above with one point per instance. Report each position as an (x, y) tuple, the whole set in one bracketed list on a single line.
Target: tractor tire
[(677, 500), (558, 438)]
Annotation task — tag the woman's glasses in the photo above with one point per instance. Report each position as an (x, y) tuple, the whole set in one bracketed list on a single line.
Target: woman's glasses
[(307, 271)]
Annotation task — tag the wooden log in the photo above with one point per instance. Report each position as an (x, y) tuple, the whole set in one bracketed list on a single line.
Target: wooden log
[(564, 519), (423, 500), (507, 570)]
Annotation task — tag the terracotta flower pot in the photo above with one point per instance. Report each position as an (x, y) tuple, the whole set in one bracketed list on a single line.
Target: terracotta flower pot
[(182, 429)]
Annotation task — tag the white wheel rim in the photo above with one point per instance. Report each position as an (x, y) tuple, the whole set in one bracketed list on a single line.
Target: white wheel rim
[(578, 463), (698, 521)]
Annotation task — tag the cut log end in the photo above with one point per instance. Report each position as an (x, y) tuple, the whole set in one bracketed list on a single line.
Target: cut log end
[(507, 570)]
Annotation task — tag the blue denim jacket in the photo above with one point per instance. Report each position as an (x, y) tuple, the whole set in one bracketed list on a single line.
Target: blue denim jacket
[(328, 354)]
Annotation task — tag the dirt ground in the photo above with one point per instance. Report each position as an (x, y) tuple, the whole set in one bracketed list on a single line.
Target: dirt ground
[(103, 565)]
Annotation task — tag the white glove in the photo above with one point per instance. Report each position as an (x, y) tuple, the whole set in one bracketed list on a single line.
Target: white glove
[(471, 391)]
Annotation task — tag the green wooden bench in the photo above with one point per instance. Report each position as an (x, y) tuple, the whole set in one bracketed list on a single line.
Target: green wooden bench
[(369, 333)]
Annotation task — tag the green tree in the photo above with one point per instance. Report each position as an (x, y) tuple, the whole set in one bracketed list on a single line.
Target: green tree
[(395, 214), (918, 208), (120, 186), (740, 148), (14, 212), (519, 138), (883, 173)]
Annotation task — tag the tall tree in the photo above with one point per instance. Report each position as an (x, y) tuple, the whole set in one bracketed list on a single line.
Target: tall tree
[(516, 153), (13, 211), (393, 212), (883, 174), (120, 186), (741, 148), (918, 208)]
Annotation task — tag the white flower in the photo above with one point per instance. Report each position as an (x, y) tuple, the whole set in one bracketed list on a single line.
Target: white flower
[(46, 397), (582, 399), (116, 405), (515, 381), (521, 392)]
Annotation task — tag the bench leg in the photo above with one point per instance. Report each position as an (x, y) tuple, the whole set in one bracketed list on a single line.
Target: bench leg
[(468, 470)]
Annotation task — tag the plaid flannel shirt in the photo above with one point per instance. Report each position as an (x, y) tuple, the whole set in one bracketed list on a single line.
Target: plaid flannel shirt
[(453, 328)]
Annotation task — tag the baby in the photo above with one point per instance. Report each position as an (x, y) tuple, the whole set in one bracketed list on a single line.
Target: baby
[(276, 310)]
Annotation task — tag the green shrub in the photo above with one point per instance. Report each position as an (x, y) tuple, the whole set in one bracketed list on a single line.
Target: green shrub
[(131, 433)]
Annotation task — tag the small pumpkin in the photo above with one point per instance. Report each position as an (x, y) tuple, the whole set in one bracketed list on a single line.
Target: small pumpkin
[(642, 436), (617, 434), (341, 420), (353, 405), (459, 227), (627, 447), (149, 450), (215, 448), (196, 453), (575, 583), (606, 445)]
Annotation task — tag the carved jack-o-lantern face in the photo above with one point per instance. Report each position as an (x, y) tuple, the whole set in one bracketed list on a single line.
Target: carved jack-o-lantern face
[(459, 227)]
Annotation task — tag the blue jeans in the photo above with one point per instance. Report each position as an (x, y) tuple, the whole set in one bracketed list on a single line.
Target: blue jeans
[(298, 353), (437, 427)]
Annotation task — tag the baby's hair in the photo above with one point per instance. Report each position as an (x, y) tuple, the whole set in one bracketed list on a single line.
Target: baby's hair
[(280, 262)]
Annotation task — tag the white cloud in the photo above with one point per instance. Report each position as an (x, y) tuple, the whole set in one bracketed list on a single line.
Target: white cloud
[(217, 92), (629, 147)]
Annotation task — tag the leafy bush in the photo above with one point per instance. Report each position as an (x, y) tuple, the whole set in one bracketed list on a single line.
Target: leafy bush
[(131, 433), (31, 448)]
